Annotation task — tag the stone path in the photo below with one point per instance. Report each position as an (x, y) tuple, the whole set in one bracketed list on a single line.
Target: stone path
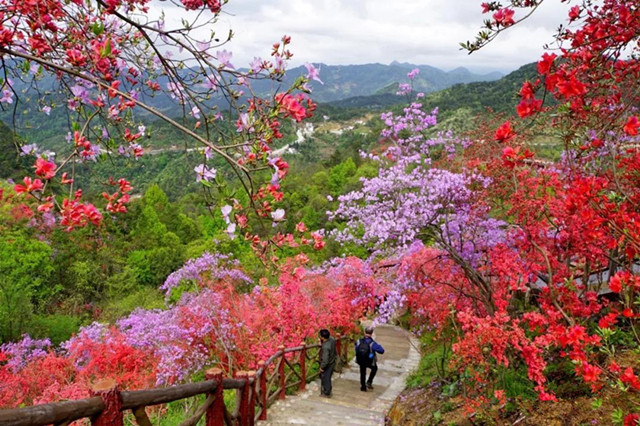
[(348, 405)]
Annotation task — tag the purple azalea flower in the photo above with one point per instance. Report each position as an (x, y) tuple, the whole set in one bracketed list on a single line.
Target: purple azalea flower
[(204, 173), (313, 73)]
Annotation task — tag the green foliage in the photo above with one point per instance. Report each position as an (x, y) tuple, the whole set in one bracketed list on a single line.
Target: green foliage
[(11, 164), (434, 356), (25, 266), (57, 327), (339, 174), (562, 381), (186, 229), (122, 283), (83, 276), (617, 417), (149, 231), (516, 384), (152, 266), (156, 199), (118, 307)]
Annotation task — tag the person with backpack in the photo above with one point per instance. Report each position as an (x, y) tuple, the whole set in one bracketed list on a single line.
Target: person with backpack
[(366, 349), (327, 361)]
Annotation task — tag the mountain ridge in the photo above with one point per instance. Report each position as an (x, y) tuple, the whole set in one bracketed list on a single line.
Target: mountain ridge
[(345, 81), (499, 94)]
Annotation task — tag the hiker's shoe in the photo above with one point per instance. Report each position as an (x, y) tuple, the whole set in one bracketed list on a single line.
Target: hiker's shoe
[(369, 386), (324, 395), (363, 389)]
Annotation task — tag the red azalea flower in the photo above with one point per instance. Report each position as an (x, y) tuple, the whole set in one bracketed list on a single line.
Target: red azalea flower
[(45, 169), (608, 320), (504, 17), (545, 64), (574, 13), (631, 127), (29, 185), (528, 107), (632, 419), (504, 132)]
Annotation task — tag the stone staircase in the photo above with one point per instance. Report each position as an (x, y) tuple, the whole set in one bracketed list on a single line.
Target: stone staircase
[(348, 405)]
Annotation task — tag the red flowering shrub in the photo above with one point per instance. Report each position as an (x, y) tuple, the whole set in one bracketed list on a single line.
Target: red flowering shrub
[(218, 325)]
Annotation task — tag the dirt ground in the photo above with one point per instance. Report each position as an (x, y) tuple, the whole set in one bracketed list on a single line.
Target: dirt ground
[(426, 406)]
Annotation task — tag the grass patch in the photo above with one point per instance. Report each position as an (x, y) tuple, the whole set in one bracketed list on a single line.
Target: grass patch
[(433, 362)]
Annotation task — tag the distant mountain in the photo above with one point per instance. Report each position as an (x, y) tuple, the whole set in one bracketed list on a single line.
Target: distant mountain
[(370, 85), (346, 81), (499, 95)]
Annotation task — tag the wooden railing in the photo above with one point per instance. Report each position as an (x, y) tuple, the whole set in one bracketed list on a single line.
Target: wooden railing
[(255, 391)]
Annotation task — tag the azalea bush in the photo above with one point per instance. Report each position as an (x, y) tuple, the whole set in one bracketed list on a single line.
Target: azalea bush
[(529, 265), (216, 324)]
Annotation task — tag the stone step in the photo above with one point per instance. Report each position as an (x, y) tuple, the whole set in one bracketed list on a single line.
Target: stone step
[(348, 405), (314, 412)]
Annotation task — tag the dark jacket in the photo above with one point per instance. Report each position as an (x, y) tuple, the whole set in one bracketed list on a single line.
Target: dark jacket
[(328, 353), (375, 347)]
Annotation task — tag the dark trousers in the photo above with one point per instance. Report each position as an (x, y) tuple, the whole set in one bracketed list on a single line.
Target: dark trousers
[(325, 380), (363, 374)]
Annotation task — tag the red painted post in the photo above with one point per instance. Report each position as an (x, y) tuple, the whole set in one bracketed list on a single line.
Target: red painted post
[(215, 412), (243, 413), (251, 375), (107, 389), (303, 367), (283, 389), (263, 390), (338, 366)]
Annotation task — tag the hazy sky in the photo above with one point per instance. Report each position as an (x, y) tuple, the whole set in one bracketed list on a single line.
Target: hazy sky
[(339, 32)]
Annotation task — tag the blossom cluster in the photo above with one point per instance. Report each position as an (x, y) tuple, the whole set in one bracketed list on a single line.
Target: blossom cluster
[(215, 325)]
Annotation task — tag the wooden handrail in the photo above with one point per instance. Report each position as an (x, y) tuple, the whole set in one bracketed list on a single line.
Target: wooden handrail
[(56, 412), (254, 390), (132, 399)]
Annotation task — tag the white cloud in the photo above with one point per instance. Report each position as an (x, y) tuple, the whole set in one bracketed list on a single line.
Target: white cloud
[(363, 31)]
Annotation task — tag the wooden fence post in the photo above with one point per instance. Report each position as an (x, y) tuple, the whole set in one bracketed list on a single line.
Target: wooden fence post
[(263, 390), (251, 375), (107, 389), (303, 367), (338, 366), (243, 412), (215, 412), (283, 388)]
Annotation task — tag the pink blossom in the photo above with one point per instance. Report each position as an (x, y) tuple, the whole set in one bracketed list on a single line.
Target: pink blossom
[(278, 215), (313, 73), (204, 173), (224, 57)]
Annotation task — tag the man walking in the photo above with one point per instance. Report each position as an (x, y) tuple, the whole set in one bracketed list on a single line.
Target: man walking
[(327, 362), (366, 349)]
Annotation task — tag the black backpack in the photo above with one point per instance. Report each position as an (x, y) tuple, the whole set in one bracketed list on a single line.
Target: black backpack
[(364, 354)]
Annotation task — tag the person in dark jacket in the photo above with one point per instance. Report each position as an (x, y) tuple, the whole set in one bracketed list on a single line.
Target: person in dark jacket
[(373, 349), (327, 361)]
